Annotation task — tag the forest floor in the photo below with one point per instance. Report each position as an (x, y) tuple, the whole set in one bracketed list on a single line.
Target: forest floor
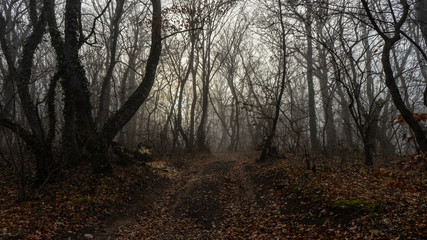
[(226, 196)]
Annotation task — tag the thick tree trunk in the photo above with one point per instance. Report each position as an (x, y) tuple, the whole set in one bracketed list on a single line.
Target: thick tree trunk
[(9, 90), (22, 75), (370, 130), (79, 129), (79, 126)]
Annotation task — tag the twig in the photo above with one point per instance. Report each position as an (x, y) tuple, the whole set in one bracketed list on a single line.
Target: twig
[(183, 31)]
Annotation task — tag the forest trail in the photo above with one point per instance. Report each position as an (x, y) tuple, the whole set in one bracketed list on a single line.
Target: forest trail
[(229, 196), (203, 200), (225, 196)]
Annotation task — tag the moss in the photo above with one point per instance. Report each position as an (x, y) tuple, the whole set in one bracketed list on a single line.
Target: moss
[(350, 203), (314, 196), (377, 206), (374, 207), (86, 200)]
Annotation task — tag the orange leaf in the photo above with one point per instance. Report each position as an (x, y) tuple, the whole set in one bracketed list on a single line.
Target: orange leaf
[(404, 136), (400, 119)]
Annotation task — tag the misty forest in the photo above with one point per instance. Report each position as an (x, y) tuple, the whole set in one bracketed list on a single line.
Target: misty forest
[(213, 119)]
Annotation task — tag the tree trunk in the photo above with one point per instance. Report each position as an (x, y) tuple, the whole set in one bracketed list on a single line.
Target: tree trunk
[(310, 84), (104, 100), (370, 129), (22, 75), (421, 17), (206, 69), (234, 118), (327, 101), (400, 72), (79, 126), (131, 125), (423, 70), (346, 127), (368, 65), (201, 132), (388, 71), (181, 93), (193, 103), (398, 101), (325, 91), (267, 146), (130, 107)]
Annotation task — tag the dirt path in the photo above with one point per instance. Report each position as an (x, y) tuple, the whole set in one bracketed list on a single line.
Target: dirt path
[(223, 196), (228, 196), (203, 200)]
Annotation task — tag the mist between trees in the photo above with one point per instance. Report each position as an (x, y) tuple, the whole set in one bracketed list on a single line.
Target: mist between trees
[(187, 76)]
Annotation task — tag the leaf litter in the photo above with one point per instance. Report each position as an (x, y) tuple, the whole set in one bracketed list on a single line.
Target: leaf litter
[(223, 196)]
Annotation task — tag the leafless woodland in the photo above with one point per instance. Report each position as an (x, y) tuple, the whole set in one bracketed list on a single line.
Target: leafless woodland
[(327, 76)]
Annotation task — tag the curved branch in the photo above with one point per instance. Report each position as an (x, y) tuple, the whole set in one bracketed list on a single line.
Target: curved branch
[(372, 19), (83, 40), (19, 130), (119, 119), (415, 44)]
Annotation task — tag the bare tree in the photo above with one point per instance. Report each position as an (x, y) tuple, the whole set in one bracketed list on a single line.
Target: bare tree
[(282, 84), (389, 41), (79, 132), (104, 99)]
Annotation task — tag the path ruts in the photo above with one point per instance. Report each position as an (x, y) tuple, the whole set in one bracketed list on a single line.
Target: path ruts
[(202, 200)]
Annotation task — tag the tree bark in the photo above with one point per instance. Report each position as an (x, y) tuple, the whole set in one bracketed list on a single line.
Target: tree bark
[(388, 71), (326, 92), (22, 76), (370, 129), (181, 93), (421, 17), (206, 70), (193, 103), (79, 126), (310, 83)]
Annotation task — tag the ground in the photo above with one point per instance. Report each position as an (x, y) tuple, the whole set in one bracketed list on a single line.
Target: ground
[(229, 196)]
